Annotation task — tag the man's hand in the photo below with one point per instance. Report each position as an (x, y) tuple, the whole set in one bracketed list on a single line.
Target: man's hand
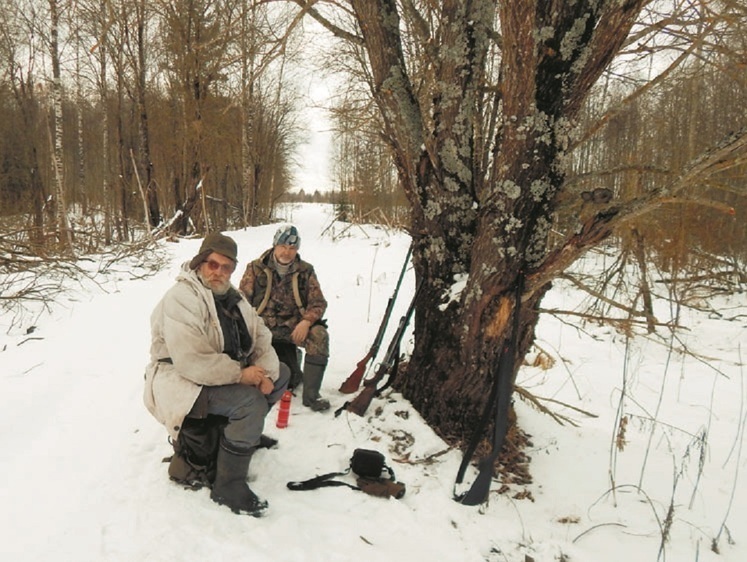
[(266, 386), (256, 376), (252, 375), (299, 333)]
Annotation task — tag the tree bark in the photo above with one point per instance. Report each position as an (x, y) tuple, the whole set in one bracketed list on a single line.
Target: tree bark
[(483, 219)]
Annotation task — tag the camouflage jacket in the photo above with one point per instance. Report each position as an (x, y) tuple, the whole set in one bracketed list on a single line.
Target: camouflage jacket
[(281, 310)]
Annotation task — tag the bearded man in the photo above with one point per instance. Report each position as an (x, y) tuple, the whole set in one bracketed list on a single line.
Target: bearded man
[(212, 359)]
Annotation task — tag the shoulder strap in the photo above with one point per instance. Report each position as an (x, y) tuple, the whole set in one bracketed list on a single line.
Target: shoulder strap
[(266, 299), (296, 292), (268, 291), (325, 480)]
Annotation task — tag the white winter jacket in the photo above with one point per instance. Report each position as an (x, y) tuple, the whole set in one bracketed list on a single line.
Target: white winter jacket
[(185, 328)]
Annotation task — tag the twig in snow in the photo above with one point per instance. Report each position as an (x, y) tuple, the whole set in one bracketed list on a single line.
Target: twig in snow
[(590, 529), (739, 441)]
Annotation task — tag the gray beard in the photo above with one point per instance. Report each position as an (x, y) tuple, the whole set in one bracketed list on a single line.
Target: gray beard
[(221, 293), (207, 285)]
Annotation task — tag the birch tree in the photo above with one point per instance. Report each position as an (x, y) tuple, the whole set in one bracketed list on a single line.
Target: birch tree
[(56, 132)]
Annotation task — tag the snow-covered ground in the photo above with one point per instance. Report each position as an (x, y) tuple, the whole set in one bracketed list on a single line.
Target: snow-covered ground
[(82, 477)]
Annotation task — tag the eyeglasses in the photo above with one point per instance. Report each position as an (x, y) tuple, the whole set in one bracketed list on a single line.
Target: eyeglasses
[(224, 267)]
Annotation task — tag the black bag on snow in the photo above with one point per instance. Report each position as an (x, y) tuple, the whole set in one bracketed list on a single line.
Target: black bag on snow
[(368, 465)]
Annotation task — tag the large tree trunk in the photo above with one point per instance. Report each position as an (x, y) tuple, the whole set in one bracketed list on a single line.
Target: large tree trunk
[(484, 218)]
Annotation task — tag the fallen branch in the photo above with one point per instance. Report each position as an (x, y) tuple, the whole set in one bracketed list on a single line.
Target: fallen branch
[(535, 400), (607, 319), (425, 460)]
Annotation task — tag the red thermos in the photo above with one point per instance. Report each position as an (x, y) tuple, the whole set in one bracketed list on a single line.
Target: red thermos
[(284, 409)]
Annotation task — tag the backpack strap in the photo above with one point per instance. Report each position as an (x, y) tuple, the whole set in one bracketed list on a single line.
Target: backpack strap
[(266, 299), (297, 293), (268, 291), (381, 487)]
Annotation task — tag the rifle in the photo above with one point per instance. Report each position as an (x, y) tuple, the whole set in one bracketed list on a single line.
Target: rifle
[(500, 399), (388, 366), (352, 383)]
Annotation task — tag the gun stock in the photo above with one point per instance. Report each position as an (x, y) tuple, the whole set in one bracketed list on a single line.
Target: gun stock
[(360, 403), (352, 383)]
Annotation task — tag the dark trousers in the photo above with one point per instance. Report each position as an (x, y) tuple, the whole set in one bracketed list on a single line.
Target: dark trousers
[(245, 408)]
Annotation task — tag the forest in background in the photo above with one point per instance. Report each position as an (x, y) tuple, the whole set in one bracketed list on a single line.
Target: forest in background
[(117, 115), (125, 121)]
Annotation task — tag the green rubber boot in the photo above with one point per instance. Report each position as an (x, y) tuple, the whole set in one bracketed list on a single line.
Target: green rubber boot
[(313, 374)]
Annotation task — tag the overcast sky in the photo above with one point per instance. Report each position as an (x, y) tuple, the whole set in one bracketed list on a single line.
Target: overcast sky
[(314, 156)]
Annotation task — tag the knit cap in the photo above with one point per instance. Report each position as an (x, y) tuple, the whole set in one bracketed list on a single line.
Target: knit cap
[(287, 235), (218, 243)]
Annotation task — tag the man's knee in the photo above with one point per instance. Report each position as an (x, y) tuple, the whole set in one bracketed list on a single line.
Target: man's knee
[(235, 401), (250, 398), (246, 408), (317, 342)]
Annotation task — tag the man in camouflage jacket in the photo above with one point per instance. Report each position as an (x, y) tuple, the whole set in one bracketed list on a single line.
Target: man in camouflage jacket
[(286, 293)]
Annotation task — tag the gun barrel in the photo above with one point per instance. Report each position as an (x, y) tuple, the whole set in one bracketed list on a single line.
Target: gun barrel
[(361, 402), (352, 383)]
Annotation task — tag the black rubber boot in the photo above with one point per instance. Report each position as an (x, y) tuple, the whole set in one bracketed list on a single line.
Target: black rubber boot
[(230, 487), (267, 442), (313, 374)]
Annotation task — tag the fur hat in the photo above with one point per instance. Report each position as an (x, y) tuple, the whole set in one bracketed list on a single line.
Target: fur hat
[(287, 235), (218, 243)]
